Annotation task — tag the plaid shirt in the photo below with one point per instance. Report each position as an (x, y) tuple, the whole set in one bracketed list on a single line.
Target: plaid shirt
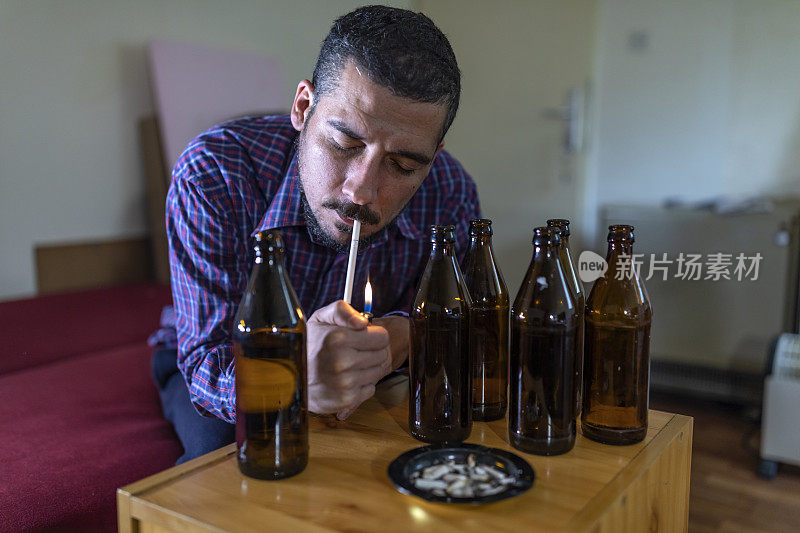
[(240, 178)]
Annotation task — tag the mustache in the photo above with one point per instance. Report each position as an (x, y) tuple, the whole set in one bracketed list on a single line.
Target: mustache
[(362, 213)]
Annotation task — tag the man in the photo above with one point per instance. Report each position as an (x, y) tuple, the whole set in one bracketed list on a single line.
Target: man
[(363, 142)]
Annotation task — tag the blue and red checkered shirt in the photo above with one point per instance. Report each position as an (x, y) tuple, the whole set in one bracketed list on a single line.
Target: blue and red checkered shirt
[(240, 178)]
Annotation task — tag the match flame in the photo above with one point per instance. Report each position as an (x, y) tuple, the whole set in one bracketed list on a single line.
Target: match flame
[(368, 297)]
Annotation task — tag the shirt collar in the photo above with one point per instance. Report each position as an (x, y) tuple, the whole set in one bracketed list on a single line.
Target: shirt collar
[(406, 226), (286, 208)]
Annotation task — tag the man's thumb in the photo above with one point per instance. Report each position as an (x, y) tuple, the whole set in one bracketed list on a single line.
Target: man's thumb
[(340, 313)]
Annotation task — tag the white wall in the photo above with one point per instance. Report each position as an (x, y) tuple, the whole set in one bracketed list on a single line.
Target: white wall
[(764, 127), (518, 59), (73, 83), (710, 106)]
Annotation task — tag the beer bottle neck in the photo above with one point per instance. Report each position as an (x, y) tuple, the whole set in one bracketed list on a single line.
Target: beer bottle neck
[(480, 246), (545, 251), (441, 249), (617, 248), (619, 259), (272, 258), (480, 240)]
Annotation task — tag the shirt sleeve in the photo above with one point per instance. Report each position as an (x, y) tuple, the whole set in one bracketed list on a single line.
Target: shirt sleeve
[(207, 273)]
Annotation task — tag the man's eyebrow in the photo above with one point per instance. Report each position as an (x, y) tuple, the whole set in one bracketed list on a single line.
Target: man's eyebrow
[(341, 126), (422, 159), (419, 158)]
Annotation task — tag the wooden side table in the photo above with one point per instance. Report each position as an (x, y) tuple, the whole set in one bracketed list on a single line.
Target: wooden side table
[(594, 487)]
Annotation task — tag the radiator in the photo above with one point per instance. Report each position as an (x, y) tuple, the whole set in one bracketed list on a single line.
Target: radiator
[(710, 336)]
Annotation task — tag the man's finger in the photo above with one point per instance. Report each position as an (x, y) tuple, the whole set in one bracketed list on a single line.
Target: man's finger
[(345, 414), (365, 393), (340, 313), (350, 359), (372, 359), (361, 377), (370, 338), (338, 338)]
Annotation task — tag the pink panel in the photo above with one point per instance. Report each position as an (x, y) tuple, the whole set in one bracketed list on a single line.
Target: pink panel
[(196, 87)]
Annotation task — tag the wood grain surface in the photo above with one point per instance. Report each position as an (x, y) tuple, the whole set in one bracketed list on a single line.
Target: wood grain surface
[(594, 487)]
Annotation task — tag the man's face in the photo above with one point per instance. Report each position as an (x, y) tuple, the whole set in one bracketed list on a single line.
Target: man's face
[(362, 153)]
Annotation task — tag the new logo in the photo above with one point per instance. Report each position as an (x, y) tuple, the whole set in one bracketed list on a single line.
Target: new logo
[(591, 266)]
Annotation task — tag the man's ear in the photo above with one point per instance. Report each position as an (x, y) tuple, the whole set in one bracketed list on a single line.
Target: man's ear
[(303, 101), (438, 149)]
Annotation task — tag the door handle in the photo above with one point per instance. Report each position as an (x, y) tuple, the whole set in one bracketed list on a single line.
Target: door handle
[(572, 114)]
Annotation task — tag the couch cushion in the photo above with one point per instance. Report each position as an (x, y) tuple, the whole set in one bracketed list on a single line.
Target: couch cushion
[(47, 328), (73, 432)]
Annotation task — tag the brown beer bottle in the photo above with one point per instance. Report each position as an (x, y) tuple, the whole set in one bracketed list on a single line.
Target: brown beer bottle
[(440, 400), (577, 288), (489, 332), (544, 344), (617, 365), (269, 344)]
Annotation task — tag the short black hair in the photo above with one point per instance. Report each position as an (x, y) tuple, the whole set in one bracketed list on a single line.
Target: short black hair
[(399, 49)]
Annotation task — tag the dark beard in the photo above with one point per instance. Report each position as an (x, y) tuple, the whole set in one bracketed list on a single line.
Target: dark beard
[(322, 237)]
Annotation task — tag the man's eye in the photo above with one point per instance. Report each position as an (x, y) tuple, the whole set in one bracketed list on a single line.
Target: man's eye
[(401, 169), (339, 148)]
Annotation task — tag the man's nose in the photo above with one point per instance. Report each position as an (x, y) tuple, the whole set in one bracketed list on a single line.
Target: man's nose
[(363, 177)]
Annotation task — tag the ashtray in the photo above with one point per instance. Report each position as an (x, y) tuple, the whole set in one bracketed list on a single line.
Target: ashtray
[(463, 473)]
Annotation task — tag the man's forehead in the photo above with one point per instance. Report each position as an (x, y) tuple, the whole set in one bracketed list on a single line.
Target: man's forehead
[(362, 106)]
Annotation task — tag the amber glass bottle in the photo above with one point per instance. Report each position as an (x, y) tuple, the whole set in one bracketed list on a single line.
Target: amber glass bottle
[(269, 343), (544, 344), (580, 297), (489, 333), (617, 365), (440, 400)]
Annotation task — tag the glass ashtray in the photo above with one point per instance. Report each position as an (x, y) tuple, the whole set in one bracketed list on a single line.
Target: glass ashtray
[(463, 473)]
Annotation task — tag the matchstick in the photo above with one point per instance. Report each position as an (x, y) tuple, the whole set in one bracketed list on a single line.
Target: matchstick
[(351, 262)]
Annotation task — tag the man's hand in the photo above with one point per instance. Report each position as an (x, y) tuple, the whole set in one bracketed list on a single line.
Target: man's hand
[(346, 357)]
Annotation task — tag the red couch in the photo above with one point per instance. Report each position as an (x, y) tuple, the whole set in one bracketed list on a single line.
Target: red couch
[(79, 414)]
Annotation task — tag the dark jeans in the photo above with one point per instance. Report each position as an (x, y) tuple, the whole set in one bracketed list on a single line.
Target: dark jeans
[(198, 434)]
